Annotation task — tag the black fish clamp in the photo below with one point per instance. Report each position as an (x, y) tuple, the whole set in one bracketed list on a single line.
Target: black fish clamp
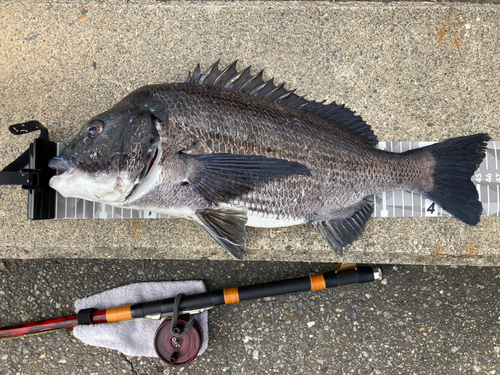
[(41, 198)]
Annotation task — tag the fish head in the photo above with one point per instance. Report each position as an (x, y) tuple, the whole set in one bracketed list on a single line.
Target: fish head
[(112, 153)]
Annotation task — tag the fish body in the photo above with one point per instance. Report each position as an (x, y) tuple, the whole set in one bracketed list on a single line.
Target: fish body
[(228, 150)]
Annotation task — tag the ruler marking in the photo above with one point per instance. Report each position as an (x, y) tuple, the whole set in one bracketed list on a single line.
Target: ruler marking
[(496, 154), (57, 194), (403, 202), (391, 147), (488, 205), (102, 214), (393, 203), (411, 193), (410, 147), (383, 212), (486, 161)]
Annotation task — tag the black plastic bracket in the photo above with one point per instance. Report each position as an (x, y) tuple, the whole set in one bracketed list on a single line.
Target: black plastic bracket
[(27, 178), (41, 198)]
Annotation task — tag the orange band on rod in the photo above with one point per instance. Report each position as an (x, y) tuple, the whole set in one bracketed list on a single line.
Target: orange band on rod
[(115, 314), (317, 282), (231, 295)]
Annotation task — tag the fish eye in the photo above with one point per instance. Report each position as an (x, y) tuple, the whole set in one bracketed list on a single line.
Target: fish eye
[(94, 128)]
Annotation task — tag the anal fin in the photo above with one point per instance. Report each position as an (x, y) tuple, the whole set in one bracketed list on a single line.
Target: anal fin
[(340, 233), (227, 227)]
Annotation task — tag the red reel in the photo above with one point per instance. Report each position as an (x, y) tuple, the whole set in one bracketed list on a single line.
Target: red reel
[(178, 351)]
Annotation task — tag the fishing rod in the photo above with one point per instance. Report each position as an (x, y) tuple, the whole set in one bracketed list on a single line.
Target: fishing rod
[(196, 303)]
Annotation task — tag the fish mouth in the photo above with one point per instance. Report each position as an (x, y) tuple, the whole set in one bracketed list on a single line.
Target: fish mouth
[(61, 164)]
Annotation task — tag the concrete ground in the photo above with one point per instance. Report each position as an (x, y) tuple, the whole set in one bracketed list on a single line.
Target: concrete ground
[(419, 320), (413, 70)]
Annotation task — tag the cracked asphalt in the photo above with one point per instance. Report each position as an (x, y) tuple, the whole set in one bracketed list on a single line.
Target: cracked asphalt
[(418, 320)]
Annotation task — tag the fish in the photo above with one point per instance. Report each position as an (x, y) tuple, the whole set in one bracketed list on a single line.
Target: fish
[(229, 149)]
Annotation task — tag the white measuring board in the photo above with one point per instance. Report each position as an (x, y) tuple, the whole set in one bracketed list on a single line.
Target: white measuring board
[(387, 204)]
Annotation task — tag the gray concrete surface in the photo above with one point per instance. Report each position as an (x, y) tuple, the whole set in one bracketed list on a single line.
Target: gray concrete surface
[(420, 320), (414, 71)]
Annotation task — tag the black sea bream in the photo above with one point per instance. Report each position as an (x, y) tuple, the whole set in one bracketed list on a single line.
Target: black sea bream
[(228, 150)]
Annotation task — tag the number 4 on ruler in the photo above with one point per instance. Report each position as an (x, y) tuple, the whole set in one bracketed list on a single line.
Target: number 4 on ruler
[(431, 209)]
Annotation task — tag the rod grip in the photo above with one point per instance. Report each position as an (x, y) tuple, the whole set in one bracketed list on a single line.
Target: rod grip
[(363, 274), (84, 316)]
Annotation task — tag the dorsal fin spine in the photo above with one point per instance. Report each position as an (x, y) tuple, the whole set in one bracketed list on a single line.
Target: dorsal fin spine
[(257, 89), (270, 94), (256, 86), (251, 81), (206, 77), (219, 80), (244, 72)]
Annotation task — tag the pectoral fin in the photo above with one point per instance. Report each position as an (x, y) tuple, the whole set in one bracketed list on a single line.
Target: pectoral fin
[(221, 177), (227, 227), (340, 233)]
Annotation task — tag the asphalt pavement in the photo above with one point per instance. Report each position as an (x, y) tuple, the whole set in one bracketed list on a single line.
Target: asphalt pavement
[(418, 320)]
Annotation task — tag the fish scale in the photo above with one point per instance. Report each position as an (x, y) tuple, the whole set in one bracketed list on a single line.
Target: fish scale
[(229, 150), (288, 141)]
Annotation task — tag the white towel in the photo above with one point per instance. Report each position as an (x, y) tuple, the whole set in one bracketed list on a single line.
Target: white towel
[(134, 337)]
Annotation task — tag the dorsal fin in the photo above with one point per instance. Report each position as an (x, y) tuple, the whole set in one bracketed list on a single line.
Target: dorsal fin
[(255, 85)]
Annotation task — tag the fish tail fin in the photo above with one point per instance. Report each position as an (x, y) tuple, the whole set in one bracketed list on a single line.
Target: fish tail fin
[(456, 160)]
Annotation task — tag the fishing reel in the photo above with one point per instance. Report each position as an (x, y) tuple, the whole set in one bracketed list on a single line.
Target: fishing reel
[(179, 338), (178, 343), (36, 178)]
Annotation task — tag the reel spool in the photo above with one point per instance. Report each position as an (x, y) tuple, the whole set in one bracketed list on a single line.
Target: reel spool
[(175, 350)]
